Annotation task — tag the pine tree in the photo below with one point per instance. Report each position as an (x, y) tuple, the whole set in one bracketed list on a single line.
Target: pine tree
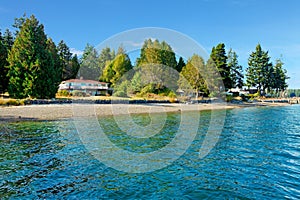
[(6, 42), (70, 64), (280, 76), (218, 55), (236, 70), (8, 39), (3, 66), (31, 65), (51, 47), (18, 23), (258, 72), (89, 66), (180, 64)]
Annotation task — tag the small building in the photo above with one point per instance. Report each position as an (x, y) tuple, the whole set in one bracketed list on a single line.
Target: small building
[(90, 87)]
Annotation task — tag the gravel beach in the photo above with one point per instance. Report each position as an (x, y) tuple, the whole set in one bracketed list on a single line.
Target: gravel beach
[(65, 111)]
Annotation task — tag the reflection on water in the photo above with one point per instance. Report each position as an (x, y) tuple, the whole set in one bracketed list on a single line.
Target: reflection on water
[(257, 156)]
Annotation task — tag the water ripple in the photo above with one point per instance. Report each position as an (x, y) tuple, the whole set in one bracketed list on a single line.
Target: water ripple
[(257, 157)]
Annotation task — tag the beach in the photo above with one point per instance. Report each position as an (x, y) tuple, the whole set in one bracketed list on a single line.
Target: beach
[(67, 111)]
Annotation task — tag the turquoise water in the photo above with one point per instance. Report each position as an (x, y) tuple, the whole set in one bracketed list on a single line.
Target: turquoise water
[(257, 157)]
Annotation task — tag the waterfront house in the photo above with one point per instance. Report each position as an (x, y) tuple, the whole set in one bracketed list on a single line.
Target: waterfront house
[(89, 87)]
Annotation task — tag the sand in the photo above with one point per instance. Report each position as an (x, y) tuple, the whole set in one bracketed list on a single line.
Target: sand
[(67, 111)]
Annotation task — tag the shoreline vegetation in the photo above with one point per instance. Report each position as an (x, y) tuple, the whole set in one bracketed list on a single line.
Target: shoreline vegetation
[(157, 82), (60, 111)]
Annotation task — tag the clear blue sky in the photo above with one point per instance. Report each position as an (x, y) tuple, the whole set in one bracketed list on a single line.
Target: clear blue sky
[(240, 24)]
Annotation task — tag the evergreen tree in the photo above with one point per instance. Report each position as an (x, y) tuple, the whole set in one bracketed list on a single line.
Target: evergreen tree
[(218, 55), (121, 50), (31, 65), (18, 23), (154, 52), (214, 81), (8, 39), (108, 72), (89, 68), (180, 64), (6, 42), (136, 82), (70, 64), (106, 56), (75, 66), (3, 66), (51, 47), (259, 69), (280, 76), (236, 70), (155, 58)]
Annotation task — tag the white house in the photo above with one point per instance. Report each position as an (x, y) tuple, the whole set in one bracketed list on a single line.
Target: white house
[(90, 87)]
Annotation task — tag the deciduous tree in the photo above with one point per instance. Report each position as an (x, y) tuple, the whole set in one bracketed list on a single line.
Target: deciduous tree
[(190, 76)]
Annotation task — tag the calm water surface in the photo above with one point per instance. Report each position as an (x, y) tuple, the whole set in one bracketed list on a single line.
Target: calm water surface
[(256, 157)]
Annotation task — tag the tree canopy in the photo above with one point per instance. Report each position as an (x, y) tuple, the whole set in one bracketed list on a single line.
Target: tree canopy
[(155, 52), (115, 69), (236, 70), (31, 64), (70, 63), (218, 56), (190, 76)]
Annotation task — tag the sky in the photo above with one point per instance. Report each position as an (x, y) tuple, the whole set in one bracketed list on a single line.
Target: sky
[(239, 24)]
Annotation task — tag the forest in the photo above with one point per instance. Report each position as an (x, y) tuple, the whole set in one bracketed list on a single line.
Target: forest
[(33, 66)]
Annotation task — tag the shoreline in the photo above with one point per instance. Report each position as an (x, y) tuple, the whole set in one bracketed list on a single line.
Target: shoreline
[(52, 112)]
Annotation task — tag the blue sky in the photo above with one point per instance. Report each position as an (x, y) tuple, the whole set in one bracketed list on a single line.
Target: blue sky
[(240, 24)]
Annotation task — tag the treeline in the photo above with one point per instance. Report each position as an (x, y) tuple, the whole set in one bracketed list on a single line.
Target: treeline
[(220, 72), (31, 64)]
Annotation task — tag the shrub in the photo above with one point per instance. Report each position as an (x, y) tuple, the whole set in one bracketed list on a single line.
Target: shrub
[(77, 93), (63, 93), (253, 96), (12, 102), (229, 98)]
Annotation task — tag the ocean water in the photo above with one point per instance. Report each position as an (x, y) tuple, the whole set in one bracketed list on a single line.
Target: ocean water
[(257, 156)]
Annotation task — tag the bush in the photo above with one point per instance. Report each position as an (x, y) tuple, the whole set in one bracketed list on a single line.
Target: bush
[(172, 94), (120, 94), (229, 98), (77, 93), (63, 93), (12, 102), (121, 90), (147, 89), (253, 96)]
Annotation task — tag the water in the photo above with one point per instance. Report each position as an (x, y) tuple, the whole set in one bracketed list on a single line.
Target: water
[(256, 157)]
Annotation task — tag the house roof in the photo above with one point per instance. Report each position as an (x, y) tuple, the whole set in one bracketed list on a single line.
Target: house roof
[(83, 81)]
